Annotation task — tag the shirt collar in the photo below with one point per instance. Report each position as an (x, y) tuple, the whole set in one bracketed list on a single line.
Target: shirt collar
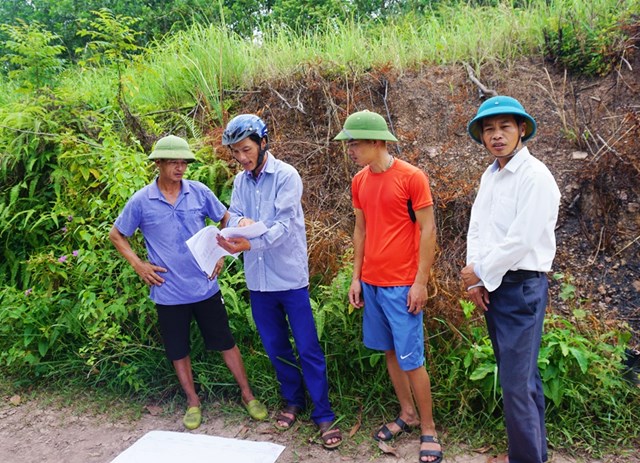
[(516, 161), (154, 190), (269, 167)]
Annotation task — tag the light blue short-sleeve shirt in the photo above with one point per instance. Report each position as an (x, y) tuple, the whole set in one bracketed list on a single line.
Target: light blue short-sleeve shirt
[(166, 227)]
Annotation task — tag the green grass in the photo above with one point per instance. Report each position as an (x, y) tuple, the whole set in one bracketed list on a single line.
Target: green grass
[(207, 60)]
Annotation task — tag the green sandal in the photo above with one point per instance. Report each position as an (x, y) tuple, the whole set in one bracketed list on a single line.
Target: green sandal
[(192, 418), (257, 410)]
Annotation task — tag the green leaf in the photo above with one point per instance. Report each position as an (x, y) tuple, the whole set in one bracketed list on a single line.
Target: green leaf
[(482, 371), (43, 347), (581, 357)]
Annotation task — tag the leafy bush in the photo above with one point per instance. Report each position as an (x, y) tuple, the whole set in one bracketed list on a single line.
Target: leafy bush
[(580, 365)]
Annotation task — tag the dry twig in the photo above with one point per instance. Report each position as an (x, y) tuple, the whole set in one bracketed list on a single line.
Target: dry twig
[(483, 89), (297, 107)]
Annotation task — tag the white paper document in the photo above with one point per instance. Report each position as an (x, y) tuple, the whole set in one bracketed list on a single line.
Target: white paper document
[(205, 248), (175, 447)]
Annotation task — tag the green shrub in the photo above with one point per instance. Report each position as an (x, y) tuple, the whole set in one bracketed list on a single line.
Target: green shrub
[(590, 38)]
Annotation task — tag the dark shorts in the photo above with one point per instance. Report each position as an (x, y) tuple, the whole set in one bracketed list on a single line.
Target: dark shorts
[(211, 316)]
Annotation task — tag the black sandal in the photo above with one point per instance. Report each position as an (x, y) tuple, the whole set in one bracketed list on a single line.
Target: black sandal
[(430, 453), (388, 435)]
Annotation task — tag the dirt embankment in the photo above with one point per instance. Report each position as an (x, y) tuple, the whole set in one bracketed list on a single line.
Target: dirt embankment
[(588, 136)]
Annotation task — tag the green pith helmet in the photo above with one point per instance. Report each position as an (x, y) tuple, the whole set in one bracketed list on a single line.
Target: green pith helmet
[(365, 125), (501, 105), (172, 147)]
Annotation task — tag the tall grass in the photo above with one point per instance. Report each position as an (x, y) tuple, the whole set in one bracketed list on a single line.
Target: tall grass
[(204, 61)]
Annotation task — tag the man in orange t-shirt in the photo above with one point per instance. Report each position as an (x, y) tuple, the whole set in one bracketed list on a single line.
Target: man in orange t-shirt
[(394, 246)]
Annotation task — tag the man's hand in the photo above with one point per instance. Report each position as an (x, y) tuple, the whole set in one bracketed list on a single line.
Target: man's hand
[(417, 298), (245, 222), (479, 296), (355, 294), (149, 273), (233, 245), (469, 278), (217, 269)]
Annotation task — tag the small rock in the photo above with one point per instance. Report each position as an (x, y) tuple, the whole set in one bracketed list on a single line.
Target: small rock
[(579, 155), (154, 410)]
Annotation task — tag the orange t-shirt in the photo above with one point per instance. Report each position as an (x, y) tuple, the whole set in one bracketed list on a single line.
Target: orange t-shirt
[(391, 244)]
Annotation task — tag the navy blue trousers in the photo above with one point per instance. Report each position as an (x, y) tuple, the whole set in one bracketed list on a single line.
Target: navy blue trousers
[(274, 313), (514, 320)]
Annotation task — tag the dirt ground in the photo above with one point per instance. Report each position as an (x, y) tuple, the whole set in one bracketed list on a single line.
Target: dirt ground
[(39, 431)]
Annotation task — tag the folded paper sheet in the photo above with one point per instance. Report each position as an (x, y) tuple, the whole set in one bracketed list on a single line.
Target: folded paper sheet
[(205, 248), (174, 447)]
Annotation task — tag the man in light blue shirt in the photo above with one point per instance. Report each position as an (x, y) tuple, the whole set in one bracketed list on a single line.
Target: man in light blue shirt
[(169, 211), (277, 274)]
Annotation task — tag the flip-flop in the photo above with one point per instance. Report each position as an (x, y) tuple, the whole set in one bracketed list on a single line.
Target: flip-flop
[(328, 432), (426, 438), (388, 435), (257, 410), (291, 410), (192, 418)]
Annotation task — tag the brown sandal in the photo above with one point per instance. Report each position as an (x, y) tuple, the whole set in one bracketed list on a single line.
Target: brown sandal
[(290, 410), (328, 432)]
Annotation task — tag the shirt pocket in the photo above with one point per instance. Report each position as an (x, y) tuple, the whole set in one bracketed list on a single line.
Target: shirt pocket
[(503, 213), (193, 219), (267, 211), (152, 218)]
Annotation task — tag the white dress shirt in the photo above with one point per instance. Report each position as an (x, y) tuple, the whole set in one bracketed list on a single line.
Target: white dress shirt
[(513, 220)]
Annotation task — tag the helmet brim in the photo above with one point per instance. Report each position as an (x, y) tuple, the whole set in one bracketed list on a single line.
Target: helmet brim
[(187, 155), (365, 135)]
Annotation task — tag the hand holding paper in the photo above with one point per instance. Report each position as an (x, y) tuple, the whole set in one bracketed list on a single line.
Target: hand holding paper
[(207, 250), (233, 245)]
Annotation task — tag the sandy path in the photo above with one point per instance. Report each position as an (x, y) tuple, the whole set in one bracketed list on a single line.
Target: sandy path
[(34, 432)]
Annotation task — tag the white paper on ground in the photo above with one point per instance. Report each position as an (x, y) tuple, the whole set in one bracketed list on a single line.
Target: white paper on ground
[(174, 447), (205, 248)]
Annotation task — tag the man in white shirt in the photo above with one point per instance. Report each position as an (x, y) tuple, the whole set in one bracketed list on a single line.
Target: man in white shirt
[(510, 245)]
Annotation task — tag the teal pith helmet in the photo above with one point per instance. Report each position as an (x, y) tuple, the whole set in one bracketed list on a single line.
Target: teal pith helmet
[(172, 147), (365, 125), (501, 105)]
